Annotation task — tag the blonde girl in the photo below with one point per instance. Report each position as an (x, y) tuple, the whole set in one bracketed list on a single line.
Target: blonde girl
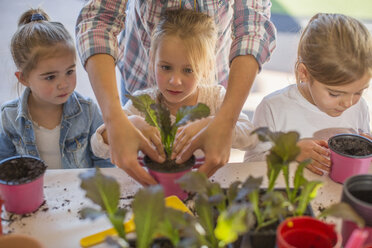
[(333, 69), (182, 62), (49, 120)]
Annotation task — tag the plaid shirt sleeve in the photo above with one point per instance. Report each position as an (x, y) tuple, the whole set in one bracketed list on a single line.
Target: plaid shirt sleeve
[(98, 25), (253, 32)]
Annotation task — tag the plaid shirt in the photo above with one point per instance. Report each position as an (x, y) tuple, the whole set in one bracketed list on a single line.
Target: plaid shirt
[(244, 27)]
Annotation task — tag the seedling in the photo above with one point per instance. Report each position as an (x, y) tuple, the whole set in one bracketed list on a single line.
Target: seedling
[(158, 115)]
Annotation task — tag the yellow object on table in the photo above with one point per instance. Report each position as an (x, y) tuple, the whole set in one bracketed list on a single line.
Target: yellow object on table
[(94, 239)]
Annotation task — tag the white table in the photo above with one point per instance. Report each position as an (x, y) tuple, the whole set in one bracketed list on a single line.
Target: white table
[(57, 223)]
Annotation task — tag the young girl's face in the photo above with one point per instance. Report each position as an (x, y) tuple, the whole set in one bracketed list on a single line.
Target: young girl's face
[(174, 75), (53, 79), (334, 100)]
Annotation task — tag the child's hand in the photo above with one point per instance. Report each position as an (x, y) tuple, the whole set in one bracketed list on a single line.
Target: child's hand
[(151, 133), (318, 151), (185, 133)]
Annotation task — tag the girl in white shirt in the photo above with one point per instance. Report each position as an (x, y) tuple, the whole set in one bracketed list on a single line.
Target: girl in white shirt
[(333, 68)]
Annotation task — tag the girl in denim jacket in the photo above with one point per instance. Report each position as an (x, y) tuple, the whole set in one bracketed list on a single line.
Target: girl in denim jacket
[(49, 120)]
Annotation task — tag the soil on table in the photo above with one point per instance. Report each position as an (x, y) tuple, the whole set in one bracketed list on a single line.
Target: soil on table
[(21, 170), (352, 146), (169, 166)]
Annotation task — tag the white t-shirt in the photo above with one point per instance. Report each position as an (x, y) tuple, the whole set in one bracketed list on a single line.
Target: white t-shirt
[(287, 110), (212, 96), (47, 143)]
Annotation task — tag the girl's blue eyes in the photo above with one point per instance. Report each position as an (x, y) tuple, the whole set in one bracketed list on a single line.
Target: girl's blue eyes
[(167, 68)]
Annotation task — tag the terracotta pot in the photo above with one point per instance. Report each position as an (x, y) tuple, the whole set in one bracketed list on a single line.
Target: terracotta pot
[(166, 175), (19, 241), (346, 161), (307, 232), (357, 192), (22, 188)]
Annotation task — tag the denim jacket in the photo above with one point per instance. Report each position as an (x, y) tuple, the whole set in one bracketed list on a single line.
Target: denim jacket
[(80, 119)]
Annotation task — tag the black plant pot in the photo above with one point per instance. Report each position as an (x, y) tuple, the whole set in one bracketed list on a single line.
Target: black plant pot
[(266, 237), (167, 173), (357, 192)]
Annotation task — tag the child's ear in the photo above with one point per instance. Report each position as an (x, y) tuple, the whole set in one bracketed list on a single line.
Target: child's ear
[(21, 78), (303, 73)]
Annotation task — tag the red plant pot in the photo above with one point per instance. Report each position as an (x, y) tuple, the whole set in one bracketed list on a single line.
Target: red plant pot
[(25, 196), (346, 165), (307, 232)]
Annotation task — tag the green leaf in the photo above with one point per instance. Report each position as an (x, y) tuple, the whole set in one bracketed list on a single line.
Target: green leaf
[(174, 223), (90, 213), (249, 185), (205, 216), (191, 113), (117, 220), (344, 211), (232, 223), (104, 191), (148, 209), (285, 146), (232, 191), (101, 189), (308, 192), (274, 166), (194, 182), (142, 103), (298, 179)]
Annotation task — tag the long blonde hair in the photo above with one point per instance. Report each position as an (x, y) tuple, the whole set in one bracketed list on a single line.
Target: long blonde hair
[(336, 49), (36, 37), (198, 32)]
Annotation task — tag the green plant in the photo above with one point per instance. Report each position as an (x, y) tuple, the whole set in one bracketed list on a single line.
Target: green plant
[(157, 115), (282, 154), (152, 218)]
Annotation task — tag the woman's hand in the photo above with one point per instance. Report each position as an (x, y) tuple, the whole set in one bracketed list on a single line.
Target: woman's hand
[(186, 133), (151, 133), (318, 151)]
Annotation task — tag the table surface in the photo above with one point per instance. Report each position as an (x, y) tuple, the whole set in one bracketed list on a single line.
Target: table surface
[(57, 223)]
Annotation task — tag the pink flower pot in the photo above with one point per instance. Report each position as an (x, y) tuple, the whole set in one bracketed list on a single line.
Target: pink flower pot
[(307, 232), (357, 192), (345, 165), (167, 179), (24, 192)]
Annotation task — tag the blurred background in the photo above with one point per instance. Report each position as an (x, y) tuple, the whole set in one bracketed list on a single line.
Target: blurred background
[(288, 16)]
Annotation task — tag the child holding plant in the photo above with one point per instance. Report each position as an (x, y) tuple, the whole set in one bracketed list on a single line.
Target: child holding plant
[(49, 120), (333, 68), (182, 61)]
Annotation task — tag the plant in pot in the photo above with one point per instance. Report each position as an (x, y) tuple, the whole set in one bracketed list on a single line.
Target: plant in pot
[(351, 154), (272, 206), (157, 115), (21, 183), (157, 225)]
